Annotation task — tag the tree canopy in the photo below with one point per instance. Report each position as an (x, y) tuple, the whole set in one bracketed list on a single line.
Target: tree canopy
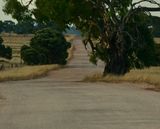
[(48, 46), (115, 29)]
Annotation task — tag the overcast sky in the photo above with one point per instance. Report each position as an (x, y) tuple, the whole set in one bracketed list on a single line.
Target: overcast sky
[(2, 15), (5, 17)]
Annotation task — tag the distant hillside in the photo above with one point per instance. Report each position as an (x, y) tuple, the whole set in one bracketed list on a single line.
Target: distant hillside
[(73, 30)]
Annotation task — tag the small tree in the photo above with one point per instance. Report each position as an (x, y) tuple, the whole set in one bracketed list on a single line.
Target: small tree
[(48, 46), (5, 52)]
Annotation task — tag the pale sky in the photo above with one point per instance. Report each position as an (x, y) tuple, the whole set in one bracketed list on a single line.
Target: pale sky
[(2, 15), (5, 17)]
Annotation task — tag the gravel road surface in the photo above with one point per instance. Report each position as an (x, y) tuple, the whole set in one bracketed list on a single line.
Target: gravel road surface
[(62, 101)]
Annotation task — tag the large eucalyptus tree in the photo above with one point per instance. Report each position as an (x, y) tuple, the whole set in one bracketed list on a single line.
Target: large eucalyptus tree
[(115, 29)]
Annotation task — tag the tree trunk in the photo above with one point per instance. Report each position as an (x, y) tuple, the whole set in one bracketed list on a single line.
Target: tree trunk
[(117, 64)]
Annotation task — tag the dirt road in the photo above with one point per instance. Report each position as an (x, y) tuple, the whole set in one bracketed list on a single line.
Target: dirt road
[(61, 101)]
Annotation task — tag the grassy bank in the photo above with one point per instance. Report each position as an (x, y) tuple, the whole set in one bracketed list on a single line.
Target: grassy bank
[(27, 72), (148, 75), (30, 72)]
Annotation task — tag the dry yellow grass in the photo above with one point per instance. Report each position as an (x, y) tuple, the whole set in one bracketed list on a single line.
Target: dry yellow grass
[(148, 75), (16, 42), (157, 40), (27, 72), (70, 52)]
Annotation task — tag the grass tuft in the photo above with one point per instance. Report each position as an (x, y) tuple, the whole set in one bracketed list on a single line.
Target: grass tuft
[(148, 75)]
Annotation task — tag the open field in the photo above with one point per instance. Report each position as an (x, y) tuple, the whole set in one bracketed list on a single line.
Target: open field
[(16, 42)]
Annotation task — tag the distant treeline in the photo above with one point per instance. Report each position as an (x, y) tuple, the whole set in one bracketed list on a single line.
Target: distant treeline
[(30, 27), (23, 27)]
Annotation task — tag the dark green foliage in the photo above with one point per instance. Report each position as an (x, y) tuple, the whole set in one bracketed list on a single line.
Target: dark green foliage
[(129, 47), (115, 29), (157, 49), (7, 26), (16, 10), (29, 55), (5, 52), (154, 22), (1, 26), (144, 45), (25, 26), (48, 46)]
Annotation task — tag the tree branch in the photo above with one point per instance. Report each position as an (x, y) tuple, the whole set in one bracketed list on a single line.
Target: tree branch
[(143, 9), (136, 10), (149, 1), (27, 4)]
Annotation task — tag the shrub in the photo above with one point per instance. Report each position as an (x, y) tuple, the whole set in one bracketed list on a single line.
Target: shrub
[(48, 46), (30, 55), (5, 52)]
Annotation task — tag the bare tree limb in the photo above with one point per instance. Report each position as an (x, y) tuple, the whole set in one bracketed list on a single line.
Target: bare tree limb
[(144, 9), (149, 1), (28, 3)]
